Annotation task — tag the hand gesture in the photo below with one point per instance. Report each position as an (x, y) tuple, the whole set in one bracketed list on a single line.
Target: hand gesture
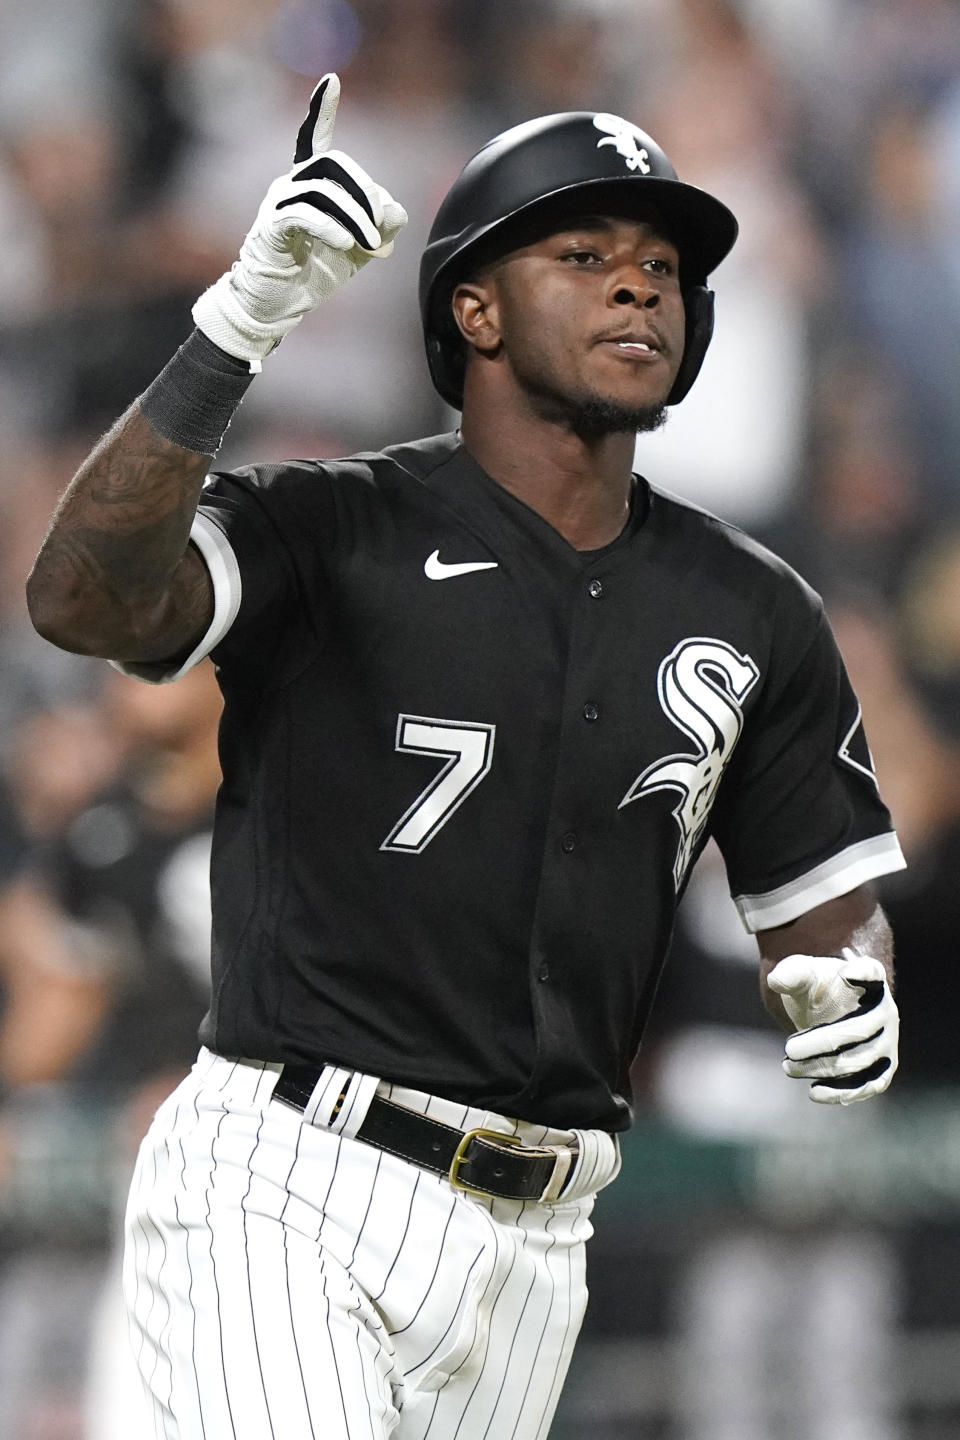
[(847, 1022), (317, 226)]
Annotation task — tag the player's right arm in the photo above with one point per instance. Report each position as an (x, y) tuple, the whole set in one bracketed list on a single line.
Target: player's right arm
[(116, 575)]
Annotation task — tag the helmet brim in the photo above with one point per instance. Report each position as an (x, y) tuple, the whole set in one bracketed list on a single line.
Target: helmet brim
[(701, 227)]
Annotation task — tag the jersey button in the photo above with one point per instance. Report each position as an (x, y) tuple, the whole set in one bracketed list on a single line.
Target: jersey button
[(569, 842), (544, 972), (595, 589), (591, 711)]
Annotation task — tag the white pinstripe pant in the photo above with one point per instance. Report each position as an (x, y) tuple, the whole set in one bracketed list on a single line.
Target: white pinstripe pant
[(287, 1282)]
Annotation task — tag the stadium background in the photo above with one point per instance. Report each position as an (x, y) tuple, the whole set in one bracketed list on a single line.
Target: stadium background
[(763, 1270)]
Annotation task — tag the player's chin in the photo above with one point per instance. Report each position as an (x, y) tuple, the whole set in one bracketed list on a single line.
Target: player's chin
[(609, 411), (643, 396)]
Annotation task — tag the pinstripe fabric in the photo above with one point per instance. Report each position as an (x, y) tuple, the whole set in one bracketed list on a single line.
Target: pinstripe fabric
[(287, 1282)]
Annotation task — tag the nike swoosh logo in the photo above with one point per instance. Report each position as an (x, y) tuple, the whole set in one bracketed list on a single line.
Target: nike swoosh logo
[(434, 568)]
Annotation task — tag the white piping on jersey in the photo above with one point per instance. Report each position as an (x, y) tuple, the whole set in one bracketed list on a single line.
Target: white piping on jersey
[(858, 863)]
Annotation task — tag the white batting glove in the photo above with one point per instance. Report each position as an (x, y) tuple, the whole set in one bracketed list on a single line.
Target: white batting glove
[(847, 1022), (316, 227)]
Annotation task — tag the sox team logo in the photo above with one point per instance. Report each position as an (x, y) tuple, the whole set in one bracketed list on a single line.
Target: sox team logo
[(627, 139), (702, 685)]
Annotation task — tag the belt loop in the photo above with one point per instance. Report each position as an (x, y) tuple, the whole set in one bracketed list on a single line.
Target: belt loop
[(338, 1101), (326, 1100), (359, 1092), (597, 1164), (565, 1160)]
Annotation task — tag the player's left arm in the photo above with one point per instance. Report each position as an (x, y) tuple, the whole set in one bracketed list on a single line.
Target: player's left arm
[(827, 977)]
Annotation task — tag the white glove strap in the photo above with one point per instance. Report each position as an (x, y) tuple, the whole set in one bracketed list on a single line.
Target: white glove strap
[(222, 317)]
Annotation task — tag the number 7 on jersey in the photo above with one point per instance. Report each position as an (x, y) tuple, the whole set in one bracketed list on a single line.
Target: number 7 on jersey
[(467, 749)]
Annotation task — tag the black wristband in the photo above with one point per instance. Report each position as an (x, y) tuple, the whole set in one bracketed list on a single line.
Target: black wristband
[(193, 399)]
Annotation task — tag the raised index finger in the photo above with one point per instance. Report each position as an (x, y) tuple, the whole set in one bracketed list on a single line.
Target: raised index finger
[(316, 132)]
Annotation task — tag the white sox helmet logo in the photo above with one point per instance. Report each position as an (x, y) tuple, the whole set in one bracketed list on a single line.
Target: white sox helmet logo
[(702, 685), (628, 141)]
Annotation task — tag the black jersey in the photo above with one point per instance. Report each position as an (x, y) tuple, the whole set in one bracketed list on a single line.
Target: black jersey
[(467, 770)]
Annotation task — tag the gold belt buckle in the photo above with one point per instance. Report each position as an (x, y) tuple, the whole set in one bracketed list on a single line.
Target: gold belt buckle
[(460, 1155)]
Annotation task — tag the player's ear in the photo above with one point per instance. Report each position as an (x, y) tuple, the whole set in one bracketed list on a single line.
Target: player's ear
[(475, 311)]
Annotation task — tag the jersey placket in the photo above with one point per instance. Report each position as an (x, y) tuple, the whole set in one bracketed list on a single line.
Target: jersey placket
[(575, 819)]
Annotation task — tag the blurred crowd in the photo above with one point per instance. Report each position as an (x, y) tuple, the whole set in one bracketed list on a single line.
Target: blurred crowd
[(136, 140)]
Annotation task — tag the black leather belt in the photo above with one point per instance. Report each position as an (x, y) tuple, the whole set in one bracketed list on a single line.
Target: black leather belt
[(479, 1162)]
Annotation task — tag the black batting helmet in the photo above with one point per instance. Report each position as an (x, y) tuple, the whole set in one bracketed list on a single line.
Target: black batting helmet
[(565, 162)]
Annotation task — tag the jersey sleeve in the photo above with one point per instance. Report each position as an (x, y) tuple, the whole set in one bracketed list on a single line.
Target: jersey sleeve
[(800, 819), (261, 532)]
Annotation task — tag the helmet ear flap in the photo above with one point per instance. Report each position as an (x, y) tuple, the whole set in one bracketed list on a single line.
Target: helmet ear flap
[(698, 302), (447, 362)]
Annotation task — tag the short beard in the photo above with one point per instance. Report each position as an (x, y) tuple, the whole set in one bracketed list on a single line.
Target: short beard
[(591, 417), (594, 418)]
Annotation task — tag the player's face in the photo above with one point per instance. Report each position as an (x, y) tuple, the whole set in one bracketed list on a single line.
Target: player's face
[(592, 315)]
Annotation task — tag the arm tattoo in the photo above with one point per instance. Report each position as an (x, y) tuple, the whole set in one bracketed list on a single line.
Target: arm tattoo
[(108, 577)]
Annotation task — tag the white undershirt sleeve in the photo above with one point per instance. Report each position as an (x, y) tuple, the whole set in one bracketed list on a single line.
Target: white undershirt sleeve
[(220, 560)]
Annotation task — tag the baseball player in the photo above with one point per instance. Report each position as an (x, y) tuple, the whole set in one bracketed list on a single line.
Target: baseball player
[(486, 696)]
